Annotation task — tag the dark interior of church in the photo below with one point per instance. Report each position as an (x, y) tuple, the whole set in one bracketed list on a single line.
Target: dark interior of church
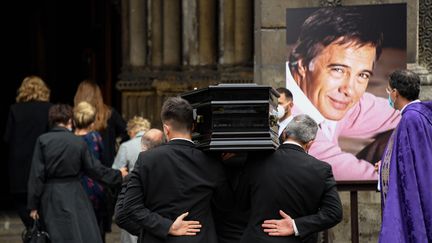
[(63, 42)]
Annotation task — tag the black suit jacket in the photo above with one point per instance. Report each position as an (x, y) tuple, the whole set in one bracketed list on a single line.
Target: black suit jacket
[(167, 181), (295, 182)]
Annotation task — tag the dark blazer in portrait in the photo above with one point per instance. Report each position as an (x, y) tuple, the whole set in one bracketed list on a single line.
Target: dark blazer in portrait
[(26, 122), (295, 182), (167, 181)]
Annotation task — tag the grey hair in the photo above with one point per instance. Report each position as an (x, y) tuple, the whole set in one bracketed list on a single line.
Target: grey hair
[(152, 138), (302, 128)]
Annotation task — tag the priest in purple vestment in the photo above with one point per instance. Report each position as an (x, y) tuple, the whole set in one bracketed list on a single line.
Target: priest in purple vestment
[(406, 166)]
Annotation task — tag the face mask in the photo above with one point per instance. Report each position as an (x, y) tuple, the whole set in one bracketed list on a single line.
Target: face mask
[(391, 103), (280, 111)]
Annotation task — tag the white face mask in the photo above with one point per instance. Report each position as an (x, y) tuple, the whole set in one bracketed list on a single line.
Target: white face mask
[(280, 111)]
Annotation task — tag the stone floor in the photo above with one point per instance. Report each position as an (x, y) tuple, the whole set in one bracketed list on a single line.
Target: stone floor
[(11, 229), (369, 222)]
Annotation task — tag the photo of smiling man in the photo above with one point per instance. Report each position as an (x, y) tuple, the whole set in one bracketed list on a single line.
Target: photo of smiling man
[(330, 66)]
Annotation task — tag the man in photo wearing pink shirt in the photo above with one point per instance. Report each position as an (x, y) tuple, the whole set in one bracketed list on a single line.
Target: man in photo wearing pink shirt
[(328, 72)]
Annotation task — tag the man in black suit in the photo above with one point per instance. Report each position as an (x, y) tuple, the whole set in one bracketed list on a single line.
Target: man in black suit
[(174, 179), (291, 194)]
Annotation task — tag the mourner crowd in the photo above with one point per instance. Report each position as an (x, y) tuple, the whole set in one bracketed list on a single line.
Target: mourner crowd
[(163, 189), (158, 187)]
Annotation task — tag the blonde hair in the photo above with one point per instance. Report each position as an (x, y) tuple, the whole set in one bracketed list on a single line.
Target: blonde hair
[(84, 115), (138, 124), (33, 88), (90, 92)]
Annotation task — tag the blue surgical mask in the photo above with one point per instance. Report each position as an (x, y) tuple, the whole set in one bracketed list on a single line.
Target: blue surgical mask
[(391, 102)]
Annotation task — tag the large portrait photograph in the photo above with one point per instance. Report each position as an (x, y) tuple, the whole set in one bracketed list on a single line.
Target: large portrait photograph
[(338, 65)]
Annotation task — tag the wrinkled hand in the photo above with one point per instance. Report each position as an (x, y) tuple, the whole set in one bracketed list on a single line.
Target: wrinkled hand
[(34, 214), (124, 171), (377, 166), (279, 227), (183, 227)]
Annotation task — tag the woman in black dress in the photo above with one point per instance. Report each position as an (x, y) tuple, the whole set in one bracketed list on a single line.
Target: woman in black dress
[(54, 186), (28, 119)]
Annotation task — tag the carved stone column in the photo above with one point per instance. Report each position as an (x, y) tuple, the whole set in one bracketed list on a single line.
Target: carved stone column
[(138, 33), (172, 46), (243, 31), (171, 32), (330, 3), (190, 33), (423, 66), (425, 33), (155, 32), (226, 32), (207, 32)]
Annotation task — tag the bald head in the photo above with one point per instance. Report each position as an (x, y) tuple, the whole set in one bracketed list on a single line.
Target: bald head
[(152, 138)]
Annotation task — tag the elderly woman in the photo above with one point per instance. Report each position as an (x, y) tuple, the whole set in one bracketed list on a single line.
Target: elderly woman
[(54, 184), (127, 156), (27, 120), (129, 151)]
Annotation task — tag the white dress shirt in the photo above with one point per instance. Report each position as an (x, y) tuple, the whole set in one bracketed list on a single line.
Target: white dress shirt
[(283, 124)]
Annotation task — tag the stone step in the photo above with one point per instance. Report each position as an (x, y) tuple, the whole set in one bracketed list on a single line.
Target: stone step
[(11, 229)]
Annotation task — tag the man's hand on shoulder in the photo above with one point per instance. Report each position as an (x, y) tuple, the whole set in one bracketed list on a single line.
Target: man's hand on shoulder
[(182, 227), (279, 227)]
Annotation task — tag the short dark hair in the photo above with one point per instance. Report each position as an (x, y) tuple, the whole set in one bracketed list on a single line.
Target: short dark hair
[(59, 113), (286, 92), (406, 82), (178, 113), (327, 25)]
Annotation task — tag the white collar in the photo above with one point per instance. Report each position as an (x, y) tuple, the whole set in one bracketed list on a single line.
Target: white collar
[(302, 102), (292, 142), (185, 139), (412, 102)]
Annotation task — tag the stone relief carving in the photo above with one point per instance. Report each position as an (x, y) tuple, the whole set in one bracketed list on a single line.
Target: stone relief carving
[(330, 3), (425, 34)]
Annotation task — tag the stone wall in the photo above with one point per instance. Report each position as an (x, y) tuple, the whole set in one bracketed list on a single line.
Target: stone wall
[(173, 46)]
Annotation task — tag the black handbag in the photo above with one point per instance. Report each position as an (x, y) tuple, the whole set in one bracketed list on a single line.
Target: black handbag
[(36, 234)]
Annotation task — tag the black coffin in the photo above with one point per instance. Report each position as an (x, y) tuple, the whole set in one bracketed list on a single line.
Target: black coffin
[(235, 117)]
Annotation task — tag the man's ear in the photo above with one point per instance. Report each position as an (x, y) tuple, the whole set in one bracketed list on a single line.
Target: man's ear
[(301, 68), (166, 129), (290, 104), (397, 94), (308, 145)]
